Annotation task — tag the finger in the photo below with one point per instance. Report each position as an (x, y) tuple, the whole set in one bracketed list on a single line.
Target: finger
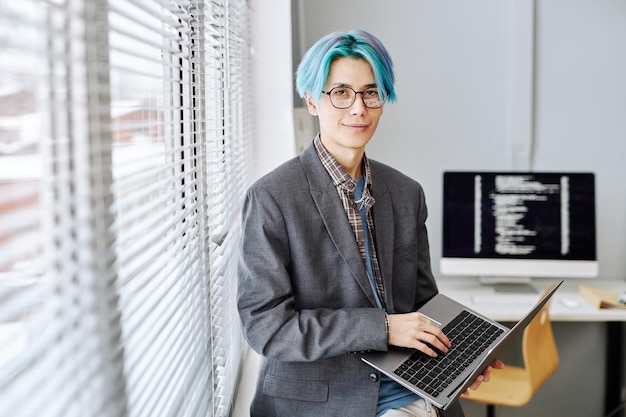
[(429, 344), (427, 349), (443, 338), (434, 342), (436, 331), (487, 374), (479, 380), (498, 364)]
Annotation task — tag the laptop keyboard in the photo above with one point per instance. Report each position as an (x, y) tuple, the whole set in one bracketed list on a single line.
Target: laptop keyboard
[(469, 335)]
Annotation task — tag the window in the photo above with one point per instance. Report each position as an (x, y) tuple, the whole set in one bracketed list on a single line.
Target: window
[(123, 140)]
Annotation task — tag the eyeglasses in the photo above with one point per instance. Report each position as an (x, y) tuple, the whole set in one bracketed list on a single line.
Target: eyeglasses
[(344, 97)]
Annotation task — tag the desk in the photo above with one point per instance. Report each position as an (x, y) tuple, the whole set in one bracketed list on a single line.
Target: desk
[(469, 292)]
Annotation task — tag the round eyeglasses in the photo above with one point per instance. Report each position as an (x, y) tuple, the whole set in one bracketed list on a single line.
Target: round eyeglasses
[(344, 97)]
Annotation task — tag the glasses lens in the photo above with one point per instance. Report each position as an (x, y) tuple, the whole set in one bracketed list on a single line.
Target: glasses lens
[(342, 97), (371, 98)]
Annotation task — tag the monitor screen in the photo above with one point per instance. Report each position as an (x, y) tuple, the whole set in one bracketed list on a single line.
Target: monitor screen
[(519, 224)]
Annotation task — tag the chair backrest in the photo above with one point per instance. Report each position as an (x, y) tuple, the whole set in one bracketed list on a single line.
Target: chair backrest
[(541, 357)]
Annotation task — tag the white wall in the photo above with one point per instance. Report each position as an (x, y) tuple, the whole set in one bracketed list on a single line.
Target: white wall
[(467, 73), (272, 91), (581, 108)]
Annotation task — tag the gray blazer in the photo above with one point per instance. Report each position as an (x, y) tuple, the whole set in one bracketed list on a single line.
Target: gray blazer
[(304, 298)]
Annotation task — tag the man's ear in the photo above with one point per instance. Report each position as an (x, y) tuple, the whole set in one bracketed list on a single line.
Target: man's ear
[(310, 104)]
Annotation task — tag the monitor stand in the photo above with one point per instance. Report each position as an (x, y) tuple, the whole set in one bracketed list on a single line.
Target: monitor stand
[(516, 285)]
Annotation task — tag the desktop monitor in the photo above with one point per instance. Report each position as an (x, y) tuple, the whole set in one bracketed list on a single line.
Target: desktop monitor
[(514, 226)]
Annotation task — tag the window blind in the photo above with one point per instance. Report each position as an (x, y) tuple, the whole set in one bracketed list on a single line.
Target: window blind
[(123, 140)]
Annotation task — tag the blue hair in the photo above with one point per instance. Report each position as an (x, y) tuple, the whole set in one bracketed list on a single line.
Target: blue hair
[(313, 70)]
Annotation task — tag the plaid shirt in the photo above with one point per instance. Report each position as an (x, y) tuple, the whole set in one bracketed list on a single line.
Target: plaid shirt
[(345, 187)]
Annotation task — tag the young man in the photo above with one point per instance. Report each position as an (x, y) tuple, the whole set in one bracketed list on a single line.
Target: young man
[(335, 256)]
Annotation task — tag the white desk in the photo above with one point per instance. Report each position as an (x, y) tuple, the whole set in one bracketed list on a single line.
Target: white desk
[(469, 291), (484, 299)]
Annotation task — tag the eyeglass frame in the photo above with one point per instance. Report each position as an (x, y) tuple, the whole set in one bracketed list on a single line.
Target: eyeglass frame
[(382, 102)]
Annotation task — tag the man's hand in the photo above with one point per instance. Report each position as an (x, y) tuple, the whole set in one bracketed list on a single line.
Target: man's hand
[(485, 376), (414, 330)]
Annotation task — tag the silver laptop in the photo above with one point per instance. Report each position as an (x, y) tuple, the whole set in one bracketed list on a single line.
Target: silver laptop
[(476, 342)]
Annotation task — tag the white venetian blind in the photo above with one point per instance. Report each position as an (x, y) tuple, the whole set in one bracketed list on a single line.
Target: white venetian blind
[(118, 231), (222, 76)]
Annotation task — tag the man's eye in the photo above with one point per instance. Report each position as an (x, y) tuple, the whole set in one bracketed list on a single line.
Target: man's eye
[(340, 92)]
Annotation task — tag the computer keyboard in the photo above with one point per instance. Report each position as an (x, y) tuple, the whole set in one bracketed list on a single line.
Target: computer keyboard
[(469, 335)]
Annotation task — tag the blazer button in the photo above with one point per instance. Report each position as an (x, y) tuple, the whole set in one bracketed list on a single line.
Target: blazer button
[(373, 377)]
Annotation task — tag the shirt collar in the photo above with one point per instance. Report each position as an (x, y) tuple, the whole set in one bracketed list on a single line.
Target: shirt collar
[(339, 175)]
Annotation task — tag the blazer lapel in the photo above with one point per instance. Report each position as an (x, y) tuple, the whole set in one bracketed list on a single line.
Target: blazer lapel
[(332, 213), (384, 233)]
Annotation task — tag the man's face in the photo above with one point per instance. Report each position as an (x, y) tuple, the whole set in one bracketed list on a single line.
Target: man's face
[(350, 129)]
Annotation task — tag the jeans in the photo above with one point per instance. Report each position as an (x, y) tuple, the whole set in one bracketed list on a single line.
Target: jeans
[(419, 408)]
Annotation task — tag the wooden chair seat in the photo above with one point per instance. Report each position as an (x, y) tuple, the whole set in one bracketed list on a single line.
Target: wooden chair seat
[(515, 386), (509, 386)]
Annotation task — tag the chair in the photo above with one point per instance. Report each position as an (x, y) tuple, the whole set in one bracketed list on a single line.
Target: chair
[(514, 386)]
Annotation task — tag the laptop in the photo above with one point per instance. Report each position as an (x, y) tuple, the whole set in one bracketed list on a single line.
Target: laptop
[(476, 342)]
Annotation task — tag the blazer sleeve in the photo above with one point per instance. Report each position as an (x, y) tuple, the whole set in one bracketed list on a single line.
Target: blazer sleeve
[(273, 324)]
